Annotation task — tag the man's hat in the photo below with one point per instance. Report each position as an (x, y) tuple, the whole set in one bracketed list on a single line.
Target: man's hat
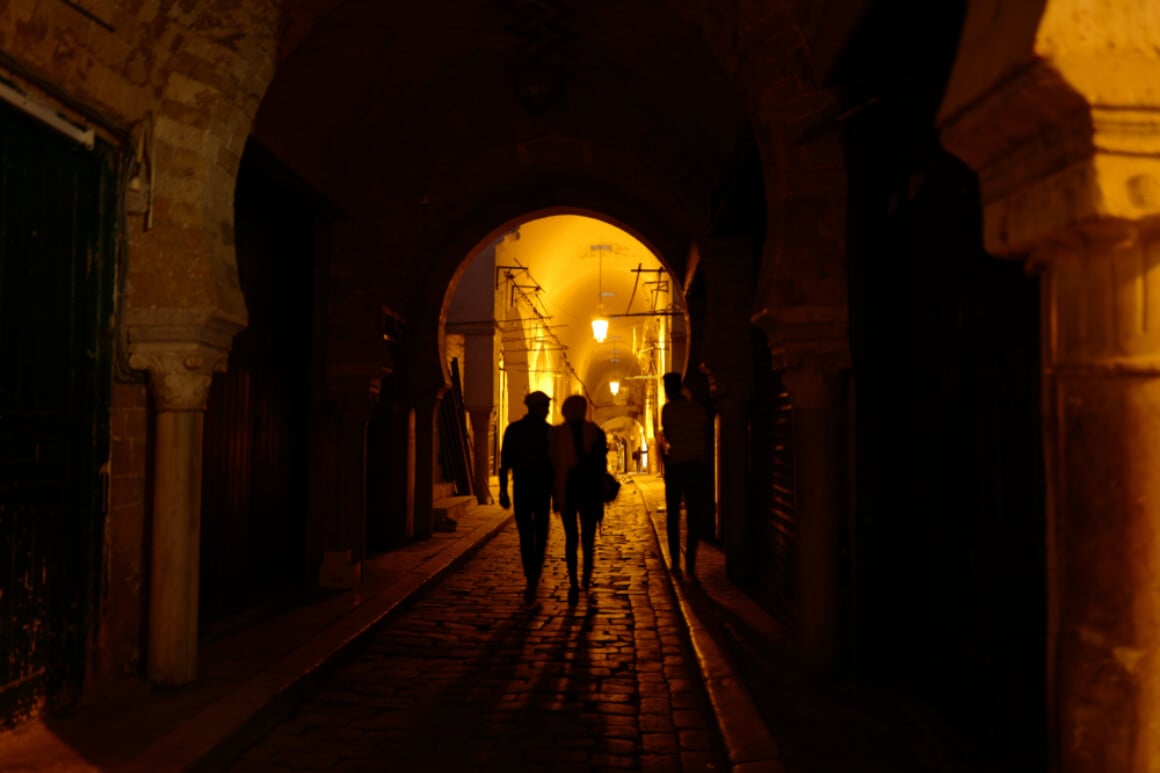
[(536, 398)]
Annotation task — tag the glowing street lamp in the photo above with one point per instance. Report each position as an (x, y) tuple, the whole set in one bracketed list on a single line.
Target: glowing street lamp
[(600, 325), (600, 320)]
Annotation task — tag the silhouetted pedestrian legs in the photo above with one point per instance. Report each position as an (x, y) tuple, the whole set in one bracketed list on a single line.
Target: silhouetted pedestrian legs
[(579, 525), (525, 455), (687, 480), (533, 511)]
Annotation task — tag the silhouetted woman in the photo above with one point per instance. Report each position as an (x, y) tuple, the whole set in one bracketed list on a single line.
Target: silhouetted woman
[(579, 453)]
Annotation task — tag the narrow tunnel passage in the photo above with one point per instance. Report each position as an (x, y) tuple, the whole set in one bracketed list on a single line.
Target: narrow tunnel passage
[(471, 678)]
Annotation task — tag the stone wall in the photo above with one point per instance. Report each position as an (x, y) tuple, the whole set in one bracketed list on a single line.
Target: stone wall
[(763, 47), (183, 79)]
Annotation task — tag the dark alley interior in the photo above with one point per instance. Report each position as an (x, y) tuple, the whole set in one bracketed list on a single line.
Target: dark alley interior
[(276, 275)]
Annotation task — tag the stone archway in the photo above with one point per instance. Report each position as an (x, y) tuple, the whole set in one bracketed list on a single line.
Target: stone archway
[(520, 307), (629, 442)]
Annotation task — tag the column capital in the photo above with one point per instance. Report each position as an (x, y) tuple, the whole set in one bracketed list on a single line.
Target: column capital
[(181, 349), (1056, 111), (1101, 291), (816, 338), (180, 373)]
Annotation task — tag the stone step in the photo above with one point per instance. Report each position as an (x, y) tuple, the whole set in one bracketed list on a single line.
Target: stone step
[(449, 509), (443, 490)]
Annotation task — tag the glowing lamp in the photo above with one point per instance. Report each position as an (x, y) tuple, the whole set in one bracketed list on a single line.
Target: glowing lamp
[(599, 327), (614, 387)]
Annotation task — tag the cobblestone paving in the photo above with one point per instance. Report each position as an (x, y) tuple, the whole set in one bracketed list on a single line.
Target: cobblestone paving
[(472, 679)]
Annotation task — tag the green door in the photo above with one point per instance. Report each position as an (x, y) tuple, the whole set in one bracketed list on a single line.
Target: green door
[(55, 263)]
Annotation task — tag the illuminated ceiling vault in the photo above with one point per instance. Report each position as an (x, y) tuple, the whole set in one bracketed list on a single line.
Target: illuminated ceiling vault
[(570, 264)]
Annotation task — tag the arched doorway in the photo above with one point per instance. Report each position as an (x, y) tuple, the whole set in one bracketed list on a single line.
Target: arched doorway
[(525, 315), (409, 184)]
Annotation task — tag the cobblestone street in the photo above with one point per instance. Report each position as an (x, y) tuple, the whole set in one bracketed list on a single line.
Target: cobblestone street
[(471, 678)]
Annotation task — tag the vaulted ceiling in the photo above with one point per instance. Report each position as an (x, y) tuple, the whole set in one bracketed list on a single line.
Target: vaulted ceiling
[(575, 263), (430, 126)]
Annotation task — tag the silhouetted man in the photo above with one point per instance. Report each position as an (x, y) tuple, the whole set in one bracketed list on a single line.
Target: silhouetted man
[(684, 448), (525, 453)]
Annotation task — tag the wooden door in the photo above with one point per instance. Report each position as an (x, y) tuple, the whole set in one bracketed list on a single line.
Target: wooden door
[(56, 258)]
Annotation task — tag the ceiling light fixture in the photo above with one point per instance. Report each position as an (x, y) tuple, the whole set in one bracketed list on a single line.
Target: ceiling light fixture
[(614, 384), (600, 320)]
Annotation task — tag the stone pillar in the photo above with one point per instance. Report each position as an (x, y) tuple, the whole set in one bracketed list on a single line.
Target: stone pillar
[(1058, 115), (1102, 361), (179, 377), (813, 356), (816, 394), (480, 384)]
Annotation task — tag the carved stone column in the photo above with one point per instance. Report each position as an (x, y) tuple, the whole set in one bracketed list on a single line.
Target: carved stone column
[(480, 385), (1060, 118), (815, 390), (1102, 362), (180, 376), (812, 352)]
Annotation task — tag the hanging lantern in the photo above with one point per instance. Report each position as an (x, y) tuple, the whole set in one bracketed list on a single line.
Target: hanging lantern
[(600, 326), (599, 321)]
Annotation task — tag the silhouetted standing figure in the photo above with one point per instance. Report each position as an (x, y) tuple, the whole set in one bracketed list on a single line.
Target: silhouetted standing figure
[(685, 451), (525, 454), (579, 452)]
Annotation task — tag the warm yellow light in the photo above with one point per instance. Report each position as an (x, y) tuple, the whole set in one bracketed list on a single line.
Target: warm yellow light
[(599, 328), (614, 387)]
